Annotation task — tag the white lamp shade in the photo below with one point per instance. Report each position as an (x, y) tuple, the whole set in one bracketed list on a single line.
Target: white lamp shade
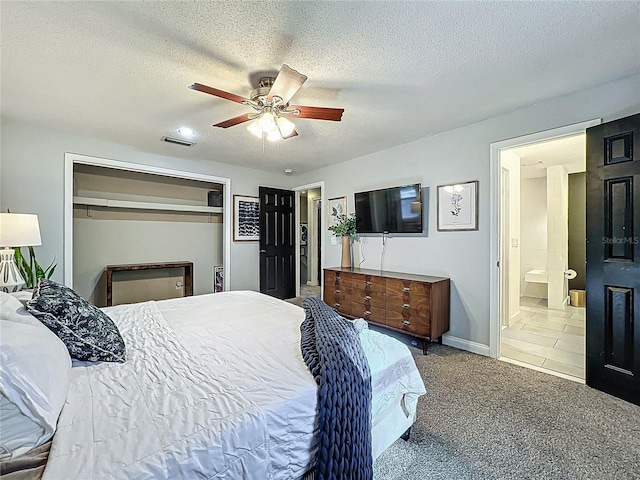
[(286, 126), (274, 136), (267, 122), (255, 129), (19, 230)]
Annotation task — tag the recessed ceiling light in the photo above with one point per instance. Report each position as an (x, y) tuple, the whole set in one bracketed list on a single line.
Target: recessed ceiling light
[(186, 132), (288, 171)]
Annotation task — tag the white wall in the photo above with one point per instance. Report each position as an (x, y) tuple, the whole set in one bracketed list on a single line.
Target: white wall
[(533, 225), (32, 181), (454, 156)]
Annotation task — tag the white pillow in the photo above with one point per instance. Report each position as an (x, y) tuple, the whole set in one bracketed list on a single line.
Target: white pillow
[(35, 371), (13, 310), (19, 433)]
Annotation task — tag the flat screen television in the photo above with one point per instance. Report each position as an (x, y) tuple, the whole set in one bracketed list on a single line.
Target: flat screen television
[(390, 210)]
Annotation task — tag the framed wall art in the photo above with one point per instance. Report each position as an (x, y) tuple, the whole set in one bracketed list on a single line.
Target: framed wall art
[(458, 206), (337, 207), (304, 233), (246, 218)]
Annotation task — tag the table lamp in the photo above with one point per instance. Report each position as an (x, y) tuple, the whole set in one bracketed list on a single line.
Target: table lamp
[(16, 230)]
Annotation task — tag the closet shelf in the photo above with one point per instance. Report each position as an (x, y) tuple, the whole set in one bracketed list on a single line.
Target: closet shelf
[(105, 202)]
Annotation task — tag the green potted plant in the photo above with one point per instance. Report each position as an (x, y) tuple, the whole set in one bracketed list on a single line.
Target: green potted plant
[(346, 229), (31, 271)]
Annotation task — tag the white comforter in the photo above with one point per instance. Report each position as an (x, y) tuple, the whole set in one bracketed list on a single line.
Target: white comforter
[(214, 386)]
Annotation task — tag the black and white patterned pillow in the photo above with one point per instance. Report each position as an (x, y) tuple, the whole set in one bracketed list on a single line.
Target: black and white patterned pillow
[(87, 331)]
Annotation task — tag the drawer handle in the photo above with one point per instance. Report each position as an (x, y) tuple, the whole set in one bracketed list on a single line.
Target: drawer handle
[(336, 304), (406, 289), (337, 291), (406, 305), (367, 297), (406, 322), (367, 283), (367, 312)]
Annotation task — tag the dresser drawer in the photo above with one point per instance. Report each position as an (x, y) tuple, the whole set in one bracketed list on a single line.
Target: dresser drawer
[(339, 304), (330, 290), (369, 283), (345, 279), (396, 286), (375, 314), (330, 277), (409, 323), (413, 305), (332, 299), (368, 299)]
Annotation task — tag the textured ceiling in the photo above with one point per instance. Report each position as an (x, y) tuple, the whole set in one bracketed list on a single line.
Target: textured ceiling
[(401, 70)]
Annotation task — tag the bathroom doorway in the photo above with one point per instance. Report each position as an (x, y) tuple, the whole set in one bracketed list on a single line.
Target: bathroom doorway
[(542, 238)]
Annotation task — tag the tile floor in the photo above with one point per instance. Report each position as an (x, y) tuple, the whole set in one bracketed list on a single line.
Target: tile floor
[(550, 339)]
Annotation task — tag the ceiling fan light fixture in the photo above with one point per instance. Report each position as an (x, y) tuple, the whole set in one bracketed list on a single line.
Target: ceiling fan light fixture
[(285, 126), (267, 122), (254, 128), (274, 136)]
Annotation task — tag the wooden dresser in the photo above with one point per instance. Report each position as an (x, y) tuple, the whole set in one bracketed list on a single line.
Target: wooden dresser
[(417, 305)]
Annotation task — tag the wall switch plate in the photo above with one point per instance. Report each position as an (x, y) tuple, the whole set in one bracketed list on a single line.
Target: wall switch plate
[(514, 242)]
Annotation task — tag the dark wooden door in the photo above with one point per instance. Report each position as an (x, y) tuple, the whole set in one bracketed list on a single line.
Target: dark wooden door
[(613, 258), (277, 243)]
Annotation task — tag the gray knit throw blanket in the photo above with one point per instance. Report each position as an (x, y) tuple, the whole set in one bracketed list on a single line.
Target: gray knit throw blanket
[(332, 351)]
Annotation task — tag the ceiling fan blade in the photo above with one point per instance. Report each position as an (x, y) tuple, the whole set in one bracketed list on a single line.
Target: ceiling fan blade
[(286, 84), (234, 121), (218, 93), (318, 113)]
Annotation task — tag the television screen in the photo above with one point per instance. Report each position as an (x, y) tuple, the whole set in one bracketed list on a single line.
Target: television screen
[(390, 210)]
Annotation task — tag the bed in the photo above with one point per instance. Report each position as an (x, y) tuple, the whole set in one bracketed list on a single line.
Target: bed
[(214, 386)]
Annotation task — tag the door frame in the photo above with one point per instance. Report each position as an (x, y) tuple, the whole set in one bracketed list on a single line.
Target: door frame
[(495, 173), (505, 260), (308, 186), (70, 159)]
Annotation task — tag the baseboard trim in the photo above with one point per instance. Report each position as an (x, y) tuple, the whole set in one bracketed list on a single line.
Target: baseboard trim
[(467, 345)]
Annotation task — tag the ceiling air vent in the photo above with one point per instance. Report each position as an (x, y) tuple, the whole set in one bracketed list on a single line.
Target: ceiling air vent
[(178, 141)]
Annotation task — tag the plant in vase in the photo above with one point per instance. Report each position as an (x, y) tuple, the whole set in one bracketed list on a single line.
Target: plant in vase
[(346, 229), (31, 271)]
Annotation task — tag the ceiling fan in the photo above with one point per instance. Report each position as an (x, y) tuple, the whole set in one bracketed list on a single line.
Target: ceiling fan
[(271, 104)]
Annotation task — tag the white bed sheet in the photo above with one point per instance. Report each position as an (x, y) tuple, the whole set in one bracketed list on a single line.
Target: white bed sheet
[(214, 387)]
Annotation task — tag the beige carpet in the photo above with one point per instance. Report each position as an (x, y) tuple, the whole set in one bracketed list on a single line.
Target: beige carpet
[(486, 419)]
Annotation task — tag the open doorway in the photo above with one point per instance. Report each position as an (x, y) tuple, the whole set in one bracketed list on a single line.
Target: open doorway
[(538, 313), (309, 214), (544, 329)]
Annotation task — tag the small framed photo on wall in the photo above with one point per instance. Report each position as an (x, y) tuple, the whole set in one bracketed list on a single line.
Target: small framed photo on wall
[(458, 206), (246, 218)]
